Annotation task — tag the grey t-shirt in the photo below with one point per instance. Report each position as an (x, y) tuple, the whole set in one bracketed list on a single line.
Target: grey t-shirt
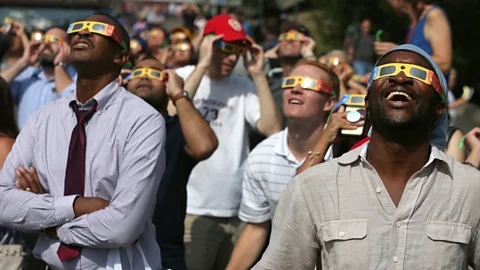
[(364, 48)]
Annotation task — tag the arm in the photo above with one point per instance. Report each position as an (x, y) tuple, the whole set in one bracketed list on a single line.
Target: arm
[(472, 140), (30, 56), (438, 33), (22, 210), (329, 136), (5, 148), (141, 168), (255, 210), (200, 140), (249, 246), (62, 79), (293, 242), (453, 149), (205, 59), (270, 121)]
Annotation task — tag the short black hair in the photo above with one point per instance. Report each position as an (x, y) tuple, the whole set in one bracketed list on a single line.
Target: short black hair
[(272, 25), (118, 26)]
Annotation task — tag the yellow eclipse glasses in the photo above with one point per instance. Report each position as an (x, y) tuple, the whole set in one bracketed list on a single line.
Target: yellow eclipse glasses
[(181, 47), (150, 72), (178, 36), (291, 35), (334, 61), (412, 71), (307, 83), (98, 28), (52, 39), (156, 33)]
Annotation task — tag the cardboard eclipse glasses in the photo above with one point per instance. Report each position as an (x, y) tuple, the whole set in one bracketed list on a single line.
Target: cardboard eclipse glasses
[(307, 83), (100, 28)]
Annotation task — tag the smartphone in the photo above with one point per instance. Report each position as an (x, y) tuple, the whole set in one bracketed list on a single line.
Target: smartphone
[(355, 103)]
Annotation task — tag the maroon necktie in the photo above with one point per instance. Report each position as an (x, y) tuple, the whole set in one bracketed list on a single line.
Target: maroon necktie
[(75, 174)]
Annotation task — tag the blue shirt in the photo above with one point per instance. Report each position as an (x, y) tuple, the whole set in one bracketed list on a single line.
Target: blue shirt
[(32, 90)]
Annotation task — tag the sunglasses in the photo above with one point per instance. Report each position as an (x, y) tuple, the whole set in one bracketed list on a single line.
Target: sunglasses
[(231, 48), (412, 71), (98, 28), (307, 83), (181, 47), (178, 36), (292, 35), (150, 72), (52, 39), (334, 61)]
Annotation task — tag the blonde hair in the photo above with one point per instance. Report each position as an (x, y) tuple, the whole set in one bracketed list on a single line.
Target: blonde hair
[(333, 77)]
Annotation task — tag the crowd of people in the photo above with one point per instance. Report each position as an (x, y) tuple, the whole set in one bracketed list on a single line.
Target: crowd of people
[(124, 145)]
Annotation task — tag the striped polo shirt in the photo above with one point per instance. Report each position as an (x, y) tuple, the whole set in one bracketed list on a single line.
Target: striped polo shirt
[(268, 170)]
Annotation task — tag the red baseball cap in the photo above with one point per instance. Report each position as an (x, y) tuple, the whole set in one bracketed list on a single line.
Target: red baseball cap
[(230, 28)]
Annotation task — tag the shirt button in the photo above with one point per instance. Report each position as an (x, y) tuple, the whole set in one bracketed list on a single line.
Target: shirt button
[(378, 190), (398, 224), (341, 234), (41, 225), (67, 220), (395, 259)]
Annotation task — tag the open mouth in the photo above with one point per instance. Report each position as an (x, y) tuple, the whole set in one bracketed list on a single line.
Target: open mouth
[(81, 45), (295, 101), (398, 96)]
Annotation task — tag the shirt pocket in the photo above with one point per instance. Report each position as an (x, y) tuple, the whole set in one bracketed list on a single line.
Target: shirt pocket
[(446, 246), (344, 244)]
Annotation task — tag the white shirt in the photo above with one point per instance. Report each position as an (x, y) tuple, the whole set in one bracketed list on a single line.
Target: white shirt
[(268, 170), (215, 185)]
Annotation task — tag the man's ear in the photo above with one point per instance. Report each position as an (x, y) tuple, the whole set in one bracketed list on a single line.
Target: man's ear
[(330, 104), (121, 58)]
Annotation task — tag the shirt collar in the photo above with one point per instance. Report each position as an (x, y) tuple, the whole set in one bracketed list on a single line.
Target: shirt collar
[(103, 97), (282, 148), (361, 152)]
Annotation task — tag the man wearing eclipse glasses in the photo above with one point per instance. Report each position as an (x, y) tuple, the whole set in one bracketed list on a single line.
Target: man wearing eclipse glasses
[(396, 202), (232, 104), (85, 170), (35, 87), (310, 92), (189, 139)]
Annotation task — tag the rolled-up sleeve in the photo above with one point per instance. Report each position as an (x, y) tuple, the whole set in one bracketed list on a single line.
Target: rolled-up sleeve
[(293, 242), (141, 168), (22, 210)]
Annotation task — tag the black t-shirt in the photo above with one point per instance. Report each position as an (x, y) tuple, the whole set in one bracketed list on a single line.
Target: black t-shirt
[(171, 203)]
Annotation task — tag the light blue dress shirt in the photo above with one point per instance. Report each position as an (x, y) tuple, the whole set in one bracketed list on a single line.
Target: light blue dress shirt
[(32, 90)]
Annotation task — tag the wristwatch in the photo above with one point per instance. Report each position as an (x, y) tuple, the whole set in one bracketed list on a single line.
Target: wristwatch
[(62, 64), (178, 96)]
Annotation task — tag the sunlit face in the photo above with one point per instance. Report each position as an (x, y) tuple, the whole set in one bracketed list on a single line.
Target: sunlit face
[(400, 101), (156, 38), (48, 50), (149, 89), (299, 103), (291, 48)]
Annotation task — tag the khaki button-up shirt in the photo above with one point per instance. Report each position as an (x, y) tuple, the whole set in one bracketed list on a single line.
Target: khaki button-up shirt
[(339, 215)]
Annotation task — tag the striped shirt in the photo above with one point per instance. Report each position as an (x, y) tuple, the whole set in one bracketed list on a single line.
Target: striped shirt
[(124, 162), (268, 170)]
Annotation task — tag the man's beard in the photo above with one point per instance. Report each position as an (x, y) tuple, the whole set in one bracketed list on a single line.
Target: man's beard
[(412, 130), (46, 61)]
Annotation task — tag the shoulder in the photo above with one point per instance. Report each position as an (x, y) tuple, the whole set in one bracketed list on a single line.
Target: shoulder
[(436, 14), (27, 74), (137, 110), (268, 145), (185, 71)]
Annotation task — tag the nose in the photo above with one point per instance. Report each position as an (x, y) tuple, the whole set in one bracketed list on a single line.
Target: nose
[(297, 89), (401, 79), (233, 57), (85, 33)]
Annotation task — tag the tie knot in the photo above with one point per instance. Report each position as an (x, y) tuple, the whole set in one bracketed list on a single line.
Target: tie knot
[(83, 115)]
